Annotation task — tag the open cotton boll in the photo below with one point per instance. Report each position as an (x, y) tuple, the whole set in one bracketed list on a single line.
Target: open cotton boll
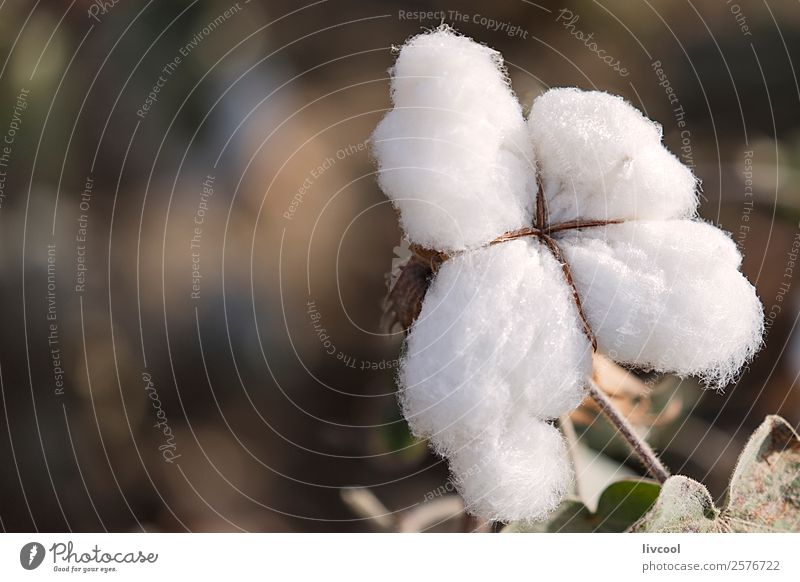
[(453, 154), (601, 159), (667, 295), (499, 345), (498, 332), (521, 476)]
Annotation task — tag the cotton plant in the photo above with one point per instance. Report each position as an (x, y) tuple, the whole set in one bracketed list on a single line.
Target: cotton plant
[(548, 238)]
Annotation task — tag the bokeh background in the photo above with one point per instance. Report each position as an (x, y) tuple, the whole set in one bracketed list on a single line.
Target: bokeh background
[(194, 249)]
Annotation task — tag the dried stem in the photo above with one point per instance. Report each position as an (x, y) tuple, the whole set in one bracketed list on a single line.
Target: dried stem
[(366, 505), (472, 524), (638, 445), (568, 428), (432, 513), (571, 437)]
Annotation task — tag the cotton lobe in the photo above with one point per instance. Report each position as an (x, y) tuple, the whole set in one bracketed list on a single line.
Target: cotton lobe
[(498, 350), (600, 158), (453, 154)]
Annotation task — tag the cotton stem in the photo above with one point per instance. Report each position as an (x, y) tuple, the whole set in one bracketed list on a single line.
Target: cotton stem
[(638, 445)]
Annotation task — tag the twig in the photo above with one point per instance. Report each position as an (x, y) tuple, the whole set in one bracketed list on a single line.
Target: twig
[(638, 445), (430, 514), (568, 428), (364, 504)]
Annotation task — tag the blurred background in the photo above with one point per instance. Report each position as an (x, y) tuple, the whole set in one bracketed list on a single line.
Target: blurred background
[(194, 249)]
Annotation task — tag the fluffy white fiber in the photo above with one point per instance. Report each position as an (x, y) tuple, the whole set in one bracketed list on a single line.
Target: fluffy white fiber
[(485, 365), (483, 348), (602, 159), (667, 295), (498, 350), (523, 474), (454, 154)]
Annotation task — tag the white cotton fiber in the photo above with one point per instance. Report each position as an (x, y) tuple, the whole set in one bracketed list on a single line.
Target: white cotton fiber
[(484, 362), (499, 349), (453, 154), (498, 332), (667, 295), (600, 158), (521, 476)]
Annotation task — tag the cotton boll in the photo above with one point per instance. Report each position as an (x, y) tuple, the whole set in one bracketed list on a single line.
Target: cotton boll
[(454, 155), (521, 476), (601, 159), (498, 332), (667, 295)]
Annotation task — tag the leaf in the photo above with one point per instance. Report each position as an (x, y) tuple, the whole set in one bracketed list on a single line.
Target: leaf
[(594, 472), (765, 487), (625, 502), (571, 516), (620, 506), (764, 493), (684, 505)]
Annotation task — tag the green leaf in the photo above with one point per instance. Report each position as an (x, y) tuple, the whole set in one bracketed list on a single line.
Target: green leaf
[(620, 506), (571, 516), (624, 503), (764, 493), (683, 506), (765, 488)]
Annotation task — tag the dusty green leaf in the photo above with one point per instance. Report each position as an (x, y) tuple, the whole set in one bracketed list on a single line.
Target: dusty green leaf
[(764, 493), (620, 506), (684, 505), (765, 487)]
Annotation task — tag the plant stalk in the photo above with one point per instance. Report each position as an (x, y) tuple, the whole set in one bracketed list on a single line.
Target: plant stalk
[(638, 445)]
